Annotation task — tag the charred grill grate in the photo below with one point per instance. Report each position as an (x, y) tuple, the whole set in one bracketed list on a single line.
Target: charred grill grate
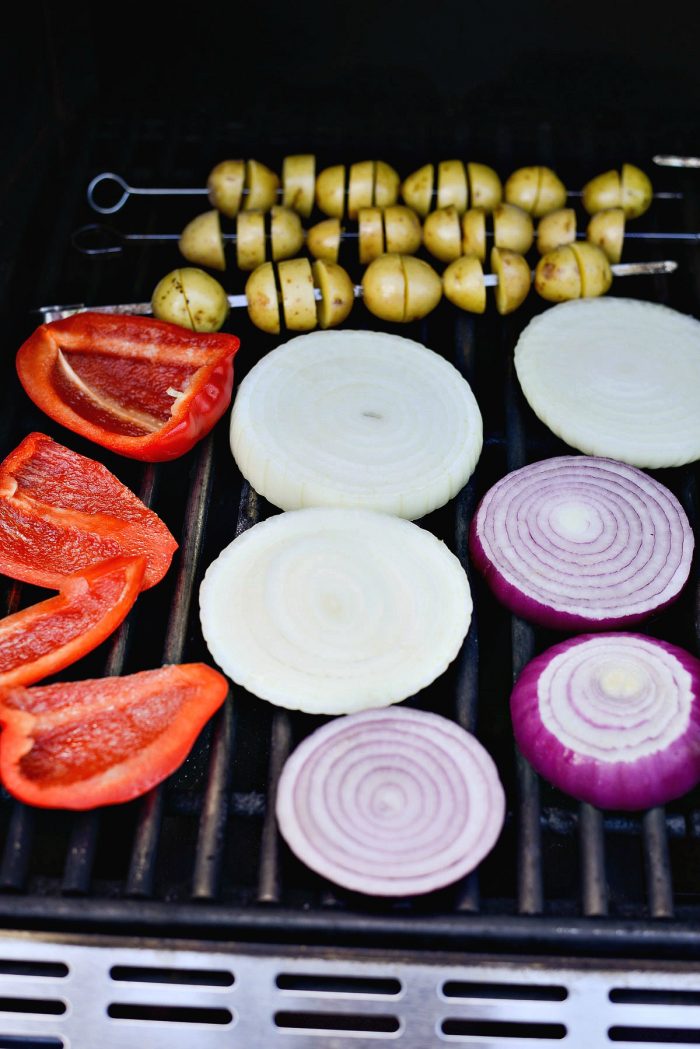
[(200, 856)]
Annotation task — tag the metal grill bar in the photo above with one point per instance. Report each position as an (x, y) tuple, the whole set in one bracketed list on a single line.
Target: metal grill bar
[(530, 887), (592, 850), (269, 885), (212, 827), (144, 854)]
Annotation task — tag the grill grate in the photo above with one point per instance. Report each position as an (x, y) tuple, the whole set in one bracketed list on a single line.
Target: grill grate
[(200, 856)]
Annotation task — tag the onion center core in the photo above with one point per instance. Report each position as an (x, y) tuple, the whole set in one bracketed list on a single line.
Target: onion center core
[(622, 681), (575, 520)]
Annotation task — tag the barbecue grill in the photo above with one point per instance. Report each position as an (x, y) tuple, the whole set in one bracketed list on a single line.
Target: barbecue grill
[(182, 916)]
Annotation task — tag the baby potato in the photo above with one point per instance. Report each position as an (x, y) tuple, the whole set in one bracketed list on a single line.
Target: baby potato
[(323, 240), (201, 241), (402, 230), (225, 185), (512, 228), (299, 183), (555, 229), (551, 193), (423, 288), (386, 184), (452, 188), (298, 300), (263, 300), (485, 189), (514, 279), (417, 189), (602, 192), (360, 187), (596, 275), (442, 234), (637, 191), (250, 239), (463, 284), (384, 288), (191, 298), (607, 231), (337, 293), (521, 188), (262, 185), (558, 276), (474, 233), (370, 227), (286, 232), (330, 191)]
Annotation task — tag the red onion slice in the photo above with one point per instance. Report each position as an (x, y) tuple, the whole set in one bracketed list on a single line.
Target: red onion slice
[(612, 719), (581, 542), (390, 802)]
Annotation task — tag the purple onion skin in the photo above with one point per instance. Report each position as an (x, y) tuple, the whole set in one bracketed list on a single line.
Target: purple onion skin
[(628, 786), (544, 615)]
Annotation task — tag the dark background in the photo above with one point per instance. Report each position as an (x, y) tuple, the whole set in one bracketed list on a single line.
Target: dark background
[(314, 63)]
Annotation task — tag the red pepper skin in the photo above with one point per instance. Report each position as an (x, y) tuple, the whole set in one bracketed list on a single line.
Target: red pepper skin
[(51, 635), (61, 512), (138, 386), (80, 745)]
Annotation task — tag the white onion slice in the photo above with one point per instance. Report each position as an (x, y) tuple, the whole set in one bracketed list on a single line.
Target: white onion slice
[(356, 418), (612, 719), (616, 377), (577, 542), (390, 803), (330, 610)]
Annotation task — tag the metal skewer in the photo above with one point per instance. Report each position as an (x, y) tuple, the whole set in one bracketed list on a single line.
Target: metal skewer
[(114, 241), (669, 160), (127, 190), (56, 313)]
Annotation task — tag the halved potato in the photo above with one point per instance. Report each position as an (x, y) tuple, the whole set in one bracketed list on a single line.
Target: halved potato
[(522, 187), (330, 191), (607, 231), (602, 192), (262, 185), (402, 230), (512, 228), (417, 189), (637, 191), (551, 193), (452, 187), (384, 288), (250, 239), (299, 183), (596, 275), (442, 234), (463, 284), (485, 188), (386, 185), (207, 302), (474, 233), (263, 299), (555, 229), (423, 288), (360, 187), (298, 300), (558, 276), (286, 232), (337, 293), (370, 229), (225, 185), (323, 239), (201, 241), (514, 279)]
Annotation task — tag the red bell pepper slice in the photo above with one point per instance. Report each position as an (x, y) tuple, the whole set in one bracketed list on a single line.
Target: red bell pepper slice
[(136, 385), (61, 512), (78, 745), (51, 635)]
